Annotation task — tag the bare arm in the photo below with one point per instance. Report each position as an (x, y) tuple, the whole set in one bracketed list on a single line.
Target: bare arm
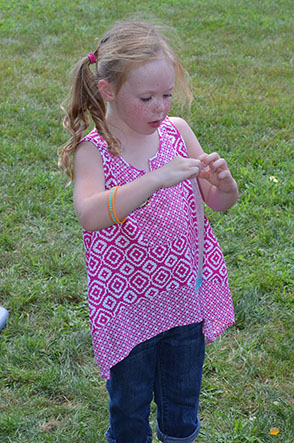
[(218, 188), (90, 196)]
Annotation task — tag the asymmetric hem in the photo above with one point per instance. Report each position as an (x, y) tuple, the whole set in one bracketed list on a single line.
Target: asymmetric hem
[(143, 274)]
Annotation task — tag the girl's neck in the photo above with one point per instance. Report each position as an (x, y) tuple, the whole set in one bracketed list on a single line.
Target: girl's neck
[(121, 131), (136, 148)]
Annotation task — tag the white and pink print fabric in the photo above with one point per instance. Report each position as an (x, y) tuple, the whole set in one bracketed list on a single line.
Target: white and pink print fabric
[(142, 274)]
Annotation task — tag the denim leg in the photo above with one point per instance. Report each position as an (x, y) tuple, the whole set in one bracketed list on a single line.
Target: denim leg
[(177, 383), (131, 390)]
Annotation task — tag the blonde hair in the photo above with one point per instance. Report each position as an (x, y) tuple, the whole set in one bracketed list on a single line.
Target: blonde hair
[(128, 45)]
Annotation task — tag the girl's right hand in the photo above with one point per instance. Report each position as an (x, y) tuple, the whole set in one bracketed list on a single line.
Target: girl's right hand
[(176, 171), (91, 198)]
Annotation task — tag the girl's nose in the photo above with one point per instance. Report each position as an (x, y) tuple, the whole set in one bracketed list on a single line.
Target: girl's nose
[(159, 104)]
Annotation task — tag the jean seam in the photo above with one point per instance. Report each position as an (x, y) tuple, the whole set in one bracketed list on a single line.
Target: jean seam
[(111, 440), (166, 438), (159, 394), (164, 403)]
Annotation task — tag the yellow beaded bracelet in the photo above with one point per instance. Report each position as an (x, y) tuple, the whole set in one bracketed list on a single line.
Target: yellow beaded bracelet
[(111, 208)]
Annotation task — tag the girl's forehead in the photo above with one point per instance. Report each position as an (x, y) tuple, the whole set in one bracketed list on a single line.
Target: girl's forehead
[(160, 72)]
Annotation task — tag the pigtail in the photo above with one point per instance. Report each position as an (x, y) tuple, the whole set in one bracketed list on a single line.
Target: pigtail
[(125, 46), (83, 101)]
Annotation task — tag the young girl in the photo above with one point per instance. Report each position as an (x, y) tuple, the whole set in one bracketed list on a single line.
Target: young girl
[(157, 280)]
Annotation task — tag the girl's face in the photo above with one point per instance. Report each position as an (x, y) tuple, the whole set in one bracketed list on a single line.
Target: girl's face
[(145, 98)]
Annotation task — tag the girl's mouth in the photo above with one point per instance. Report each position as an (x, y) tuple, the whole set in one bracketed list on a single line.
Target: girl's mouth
[(155, 124)]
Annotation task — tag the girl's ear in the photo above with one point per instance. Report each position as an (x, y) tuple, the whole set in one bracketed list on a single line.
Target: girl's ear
[(106, 90)]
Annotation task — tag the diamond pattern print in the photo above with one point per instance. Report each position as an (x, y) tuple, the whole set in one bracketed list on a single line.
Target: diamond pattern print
[(142, 273)]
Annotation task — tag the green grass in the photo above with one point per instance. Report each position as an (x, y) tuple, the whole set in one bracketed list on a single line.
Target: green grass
[(240, 57)]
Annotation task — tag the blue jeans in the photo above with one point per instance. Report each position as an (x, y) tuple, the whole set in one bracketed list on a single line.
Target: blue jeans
[(168, 366)]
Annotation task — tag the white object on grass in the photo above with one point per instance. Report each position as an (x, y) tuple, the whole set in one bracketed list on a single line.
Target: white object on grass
[(3, 317)]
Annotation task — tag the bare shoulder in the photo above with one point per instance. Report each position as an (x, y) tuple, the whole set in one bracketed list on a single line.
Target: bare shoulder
[(88, 167), (87, 158), (181, 124), (86, 151), (193, 146)]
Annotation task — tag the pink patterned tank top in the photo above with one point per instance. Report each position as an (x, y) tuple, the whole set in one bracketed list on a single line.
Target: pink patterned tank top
[(143, 275)]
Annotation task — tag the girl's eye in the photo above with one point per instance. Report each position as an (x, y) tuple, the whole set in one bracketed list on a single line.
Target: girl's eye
[(146, 99)]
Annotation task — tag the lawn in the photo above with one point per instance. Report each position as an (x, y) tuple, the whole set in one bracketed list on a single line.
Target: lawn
[(240, 57)]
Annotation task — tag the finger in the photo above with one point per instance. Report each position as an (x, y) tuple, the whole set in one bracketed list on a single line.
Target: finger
[(224, 174), (218, 164), (202, 157), (209, 158), (205, 173), (196, 163), (196, 169)]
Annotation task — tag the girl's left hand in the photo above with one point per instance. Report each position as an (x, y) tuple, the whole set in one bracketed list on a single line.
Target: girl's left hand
[(216, 172)]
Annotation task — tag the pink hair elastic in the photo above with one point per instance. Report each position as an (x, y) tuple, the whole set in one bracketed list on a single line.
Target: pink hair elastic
[(92, 58)]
